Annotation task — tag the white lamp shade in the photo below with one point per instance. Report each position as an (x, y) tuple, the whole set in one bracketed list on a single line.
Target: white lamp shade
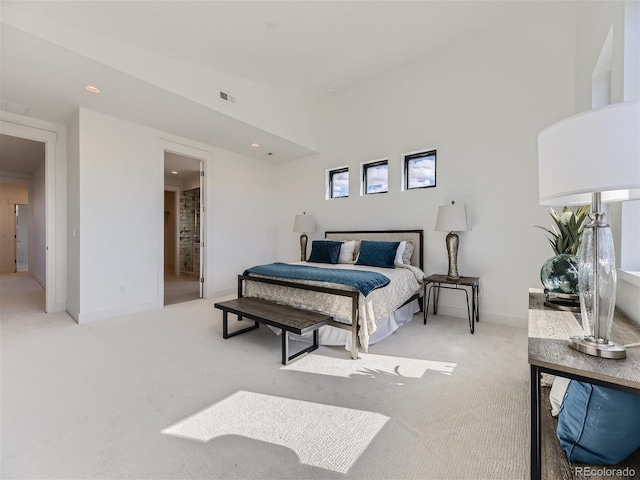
[(304, 223), (594, 151), (452, 218)]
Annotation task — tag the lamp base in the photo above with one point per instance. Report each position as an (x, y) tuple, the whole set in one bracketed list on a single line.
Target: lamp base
[(452, 253), (303, 247), (569, 302), (602, 350)]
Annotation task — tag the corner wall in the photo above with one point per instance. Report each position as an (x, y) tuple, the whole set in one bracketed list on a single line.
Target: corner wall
[(119, 225), (481, 103)]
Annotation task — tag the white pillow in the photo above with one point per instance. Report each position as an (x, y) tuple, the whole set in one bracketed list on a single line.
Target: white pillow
[(399, 253), (346, 252), (556, 395)]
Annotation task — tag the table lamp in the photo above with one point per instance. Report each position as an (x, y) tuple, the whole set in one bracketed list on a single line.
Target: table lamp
[(302, 224), (452, 218), (593, 157)]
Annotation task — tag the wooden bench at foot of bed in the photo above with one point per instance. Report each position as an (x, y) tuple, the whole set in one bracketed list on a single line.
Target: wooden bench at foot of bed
[(287, 318)]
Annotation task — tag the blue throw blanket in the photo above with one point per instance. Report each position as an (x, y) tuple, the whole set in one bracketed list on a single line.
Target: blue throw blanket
[(364, 281)]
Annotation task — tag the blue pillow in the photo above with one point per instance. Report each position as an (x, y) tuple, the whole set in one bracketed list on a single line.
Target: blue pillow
[(598, 425), (377, 254), (325, 251)]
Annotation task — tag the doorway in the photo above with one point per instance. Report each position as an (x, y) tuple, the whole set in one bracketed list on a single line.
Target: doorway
[(183, 229), (29, 158), (23, 207)]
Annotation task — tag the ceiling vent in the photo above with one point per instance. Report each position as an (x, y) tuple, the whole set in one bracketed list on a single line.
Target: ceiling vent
[(226, 97), (14, 107)]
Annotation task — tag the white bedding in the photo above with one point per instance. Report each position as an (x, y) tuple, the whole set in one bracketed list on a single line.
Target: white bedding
[(405, 281)]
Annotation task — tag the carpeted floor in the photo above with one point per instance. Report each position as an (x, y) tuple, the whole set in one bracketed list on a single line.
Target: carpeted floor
[(161, 395)]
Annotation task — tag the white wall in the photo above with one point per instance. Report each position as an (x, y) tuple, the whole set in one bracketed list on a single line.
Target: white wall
[(120, 222), (241, 231), (481, 104), (593, 22), (118, 215)]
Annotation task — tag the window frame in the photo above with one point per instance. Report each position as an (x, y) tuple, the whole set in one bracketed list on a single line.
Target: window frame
[(407, 157), (331, 173), (365, 169)]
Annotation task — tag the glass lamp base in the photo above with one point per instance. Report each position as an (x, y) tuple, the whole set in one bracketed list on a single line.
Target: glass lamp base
[(603, 350)]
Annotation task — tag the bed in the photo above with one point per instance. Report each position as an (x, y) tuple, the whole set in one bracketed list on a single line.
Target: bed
[(378, 314)]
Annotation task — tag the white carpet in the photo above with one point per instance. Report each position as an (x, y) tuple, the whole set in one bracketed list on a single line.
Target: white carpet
[(92, 401)]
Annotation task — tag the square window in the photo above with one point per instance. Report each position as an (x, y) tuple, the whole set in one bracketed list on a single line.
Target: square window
[(339, 183), (420, 170), (375, 177)]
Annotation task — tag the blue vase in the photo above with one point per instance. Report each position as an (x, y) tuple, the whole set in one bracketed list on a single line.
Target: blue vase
[(559, 274)]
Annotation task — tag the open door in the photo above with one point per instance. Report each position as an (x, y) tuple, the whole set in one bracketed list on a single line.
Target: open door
[(22, 238), (201, 232)]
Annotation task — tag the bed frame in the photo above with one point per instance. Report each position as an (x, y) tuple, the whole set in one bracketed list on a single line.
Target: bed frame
[(416, 236)]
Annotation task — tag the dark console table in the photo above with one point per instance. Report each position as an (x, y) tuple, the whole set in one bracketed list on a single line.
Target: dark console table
[(549, 352)]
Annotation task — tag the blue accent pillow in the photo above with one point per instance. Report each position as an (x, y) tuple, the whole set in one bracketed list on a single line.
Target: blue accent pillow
[(377, 254), (598, 425), (324, 251)]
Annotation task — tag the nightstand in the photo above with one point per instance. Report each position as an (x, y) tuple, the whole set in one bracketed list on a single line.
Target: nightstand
[(436, 282)]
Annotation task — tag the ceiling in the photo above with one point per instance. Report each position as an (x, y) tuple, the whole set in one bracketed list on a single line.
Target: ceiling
[(303, 47), (315, 45), (188, 169)]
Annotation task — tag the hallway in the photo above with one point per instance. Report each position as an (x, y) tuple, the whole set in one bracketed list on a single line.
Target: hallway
[(178, 289)]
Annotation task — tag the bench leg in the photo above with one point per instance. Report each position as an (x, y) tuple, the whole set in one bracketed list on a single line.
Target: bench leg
[(354, 339), (285, 347), (225, 326)]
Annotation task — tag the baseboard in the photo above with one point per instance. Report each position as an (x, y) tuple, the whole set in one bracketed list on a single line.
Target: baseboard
[(461, 312), (115, 312), (223, 293)]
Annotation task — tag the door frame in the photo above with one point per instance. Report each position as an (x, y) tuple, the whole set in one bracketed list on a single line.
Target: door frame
[(49, 139), (206, 158)]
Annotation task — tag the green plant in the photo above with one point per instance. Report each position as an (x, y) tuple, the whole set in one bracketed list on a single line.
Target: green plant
[(567, 229)]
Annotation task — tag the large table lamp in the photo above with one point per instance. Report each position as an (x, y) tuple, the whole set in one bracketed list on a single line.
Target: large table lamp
[(452, 218), (593, 157), (304, 223)]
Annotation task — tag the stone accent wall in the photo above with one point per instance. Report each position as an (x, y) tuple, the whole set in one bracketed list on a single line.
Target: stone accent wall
[(190, 232)]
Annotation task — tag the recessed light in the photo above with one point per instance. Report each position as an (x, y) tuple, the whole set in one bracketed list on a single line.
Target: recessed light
[(92, 89), (174, 172), (255, 145)]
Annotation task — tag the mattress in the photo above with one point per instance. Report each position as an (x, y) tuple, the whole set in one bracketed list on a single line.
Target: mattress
[(375, 311)]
